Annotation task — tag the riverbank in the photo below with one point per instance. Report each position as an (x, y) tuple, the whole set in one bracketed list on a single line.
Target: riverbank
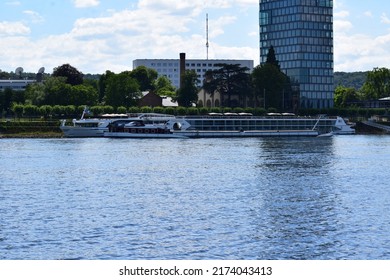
[(35, 134), (30, 129)]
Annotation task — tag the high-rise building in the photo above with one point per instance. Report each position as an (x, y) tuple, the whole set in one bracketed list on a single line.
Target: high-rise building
[(301, 32)]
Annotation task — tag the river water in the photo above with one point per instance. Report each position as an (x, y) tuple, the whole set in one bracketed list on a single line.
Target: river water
[(253, 198)]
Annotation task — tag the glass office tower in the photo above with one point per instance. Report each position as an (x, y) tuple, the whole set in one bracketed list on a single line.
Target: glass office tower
[(301, 32)]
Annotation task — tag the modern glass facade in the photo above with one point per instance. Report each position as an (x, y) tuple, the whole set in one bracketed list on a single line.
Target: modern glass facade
[(301, 32)]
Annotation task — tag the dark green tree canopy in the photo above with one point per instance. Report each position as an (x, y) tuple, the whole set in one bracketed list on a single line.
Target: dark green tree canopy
[(145, 77), (73, 76), (228, 80), (343, 96), (164, 87), (55, 91), (122, 90), (271, 57), (188, 93), (6, 99), (271, 86), (103, 80), (377, 84)]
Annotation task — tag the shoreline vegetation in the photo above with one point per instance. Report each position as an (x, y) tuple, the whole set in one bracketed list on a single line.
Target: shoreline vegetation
[(31, 124), (30, 129)]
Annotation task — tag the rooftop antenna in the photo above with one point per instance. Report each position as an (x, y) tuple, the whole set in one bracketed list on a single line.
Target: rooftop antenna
[(207, 35), (39, 75), (18, 72)]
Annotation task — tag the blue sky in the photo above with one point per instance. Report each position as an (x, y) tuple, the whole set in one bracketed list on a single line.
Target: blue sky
[(99, 35)]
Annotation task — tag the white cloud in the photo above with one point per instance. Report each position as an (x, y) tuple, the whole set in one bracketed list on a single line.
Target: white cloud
[(13, 28), (357, 48), (13, 3), (151, 29), (361, 52), (218, 26), (85, 3), (342, 26), (385, 19), (368, 14), (248, 2), (341, 14)]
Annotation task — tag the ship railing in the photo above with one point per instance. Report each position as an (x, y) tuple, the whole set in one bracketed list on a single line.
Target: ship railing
[(243, 117)]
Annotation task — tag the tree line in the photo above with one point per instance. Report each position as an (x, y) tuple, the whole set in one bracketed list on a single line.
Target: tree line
[(375, 87), (267, 88), (66, 87)]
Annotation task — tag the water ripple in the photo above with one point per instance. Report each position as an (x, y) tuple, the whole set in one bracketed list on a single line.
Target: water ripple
[(272, 198)]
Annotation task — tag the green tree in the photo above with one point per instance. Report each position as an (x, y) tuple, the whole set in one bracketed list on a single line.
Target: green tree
[(57, 91), (145, 77), (35, 94), (18, 110), (377, 84), (73, 76), (103, 80), (70, 110), (122, 90), (45, 110), (121, 110), (271, 86), (228, 80), (4, 75), (58, 110), (271, 58), (6, 99), (344, 95), (83, 95), (18, 96), (188, 93), (164, 87), (31, 110)]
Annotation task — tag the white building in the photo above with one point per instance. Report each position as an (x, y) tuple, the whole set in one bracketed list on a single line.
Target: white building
[(171, 67), (15, 84)]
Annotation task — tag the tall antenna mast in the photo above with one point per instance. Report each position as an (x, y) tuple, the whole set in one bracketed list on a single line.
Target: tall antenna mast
[(207, 35)]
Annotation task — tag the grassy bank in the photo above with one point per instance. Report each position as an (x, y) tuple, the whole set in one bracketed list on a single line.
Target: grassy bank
[(29, 129)]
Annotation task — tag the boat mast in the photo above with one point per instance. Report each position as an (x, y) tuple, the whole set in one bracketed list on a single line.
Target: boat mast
[(207, 36), (315, 125)]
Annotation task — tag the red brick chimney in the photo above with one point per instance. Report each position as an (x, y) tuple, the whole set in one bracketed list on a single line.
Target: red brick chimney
[(182, 67)]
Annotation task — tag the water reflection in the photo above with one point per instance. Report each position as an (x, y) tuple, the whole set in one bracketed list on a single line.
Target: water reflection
[(298, 215)]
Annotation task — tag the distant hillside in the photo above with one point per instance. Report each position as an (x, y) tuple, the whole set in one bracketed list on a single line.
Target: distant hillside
[(350, 79)]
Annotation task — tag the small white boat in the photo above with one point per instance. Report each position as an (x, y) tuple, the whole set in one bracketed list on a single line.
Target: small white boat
[(85, 127), (138, 129)]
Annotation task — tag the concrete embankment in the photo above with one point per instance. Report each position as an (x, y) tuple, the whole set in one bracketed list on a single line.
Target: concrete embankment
[(369, 127)]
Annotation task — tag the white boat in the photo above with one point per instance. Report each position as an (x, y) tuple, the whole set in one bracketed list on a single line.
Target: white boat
[(138, 129), (85, 127), (236, 125), (215, 125), (251, 133), (342, 128)]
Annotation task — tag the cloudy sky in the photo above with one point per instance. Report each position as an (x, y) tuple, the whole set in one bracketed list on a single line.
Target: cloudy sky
[(99, 35)]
